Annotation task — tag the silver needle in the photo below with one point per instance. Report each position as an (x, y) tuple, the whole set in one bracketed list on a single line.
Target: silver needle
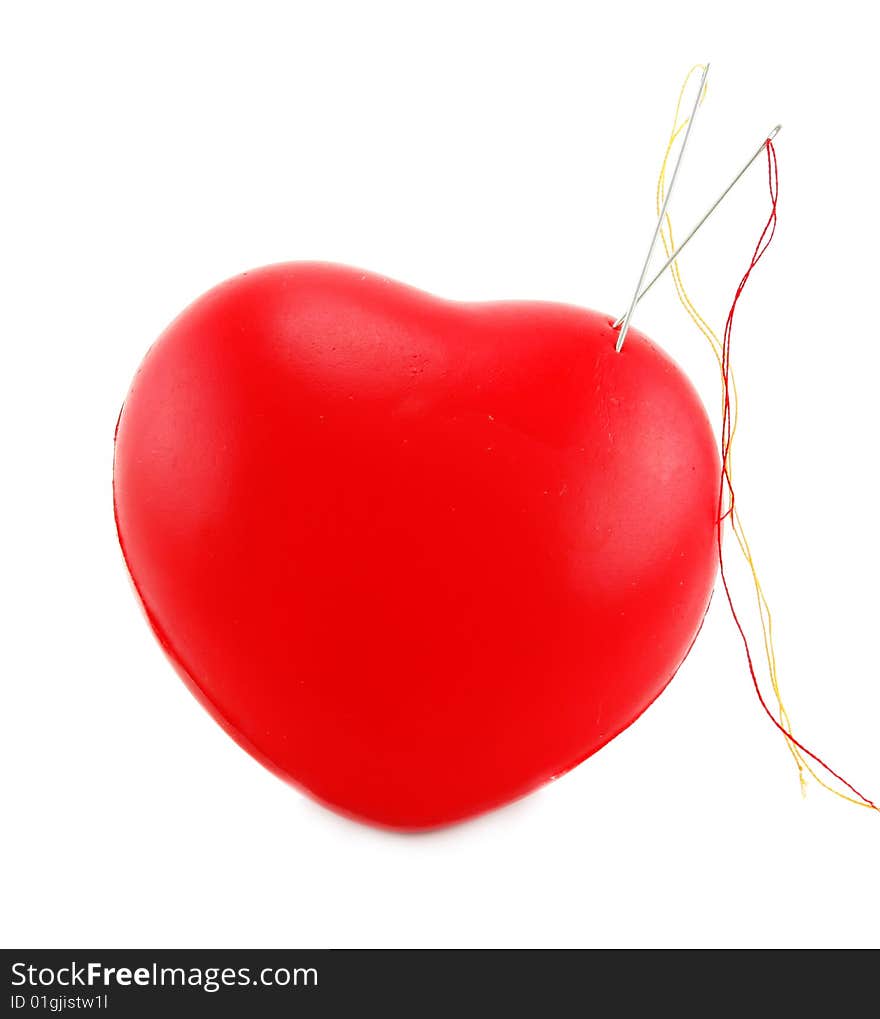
[(712, 208), (625, 326)]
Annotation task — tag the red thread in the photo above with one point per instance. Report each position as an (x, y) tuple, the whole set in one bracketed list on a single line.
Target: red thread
[(726, 482)]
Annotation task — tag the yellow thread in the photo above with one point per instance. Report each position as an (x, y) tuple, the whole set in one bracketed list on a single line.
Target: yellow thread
[(736, 521)]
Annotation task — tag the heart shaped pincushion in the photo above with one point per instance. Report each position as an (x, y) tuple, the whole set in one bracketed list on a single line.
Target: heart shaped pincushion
[(417, 557)]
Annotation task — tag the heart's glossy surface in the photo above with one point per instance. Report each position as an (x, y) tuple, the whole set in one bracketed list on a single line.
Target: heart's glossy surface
[(416, 556)]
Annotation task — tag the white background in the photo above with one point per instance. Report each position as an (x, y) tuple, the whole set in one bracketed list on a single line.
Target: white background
[(478, 150)]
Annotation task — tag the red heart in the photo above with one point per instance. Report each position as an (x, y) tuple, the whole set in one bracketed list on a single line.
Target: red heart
[(416, 556)]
